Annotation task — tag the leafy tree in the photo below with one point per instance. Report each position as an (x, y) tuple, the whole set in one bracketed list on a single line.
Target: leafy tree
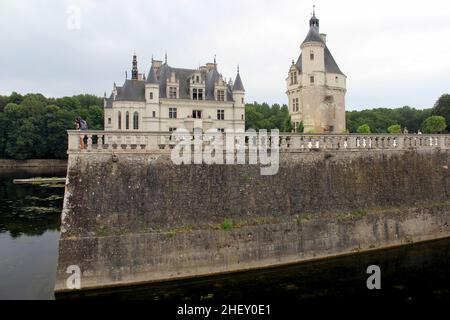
[(434, 124), (395, 128), (33, 126), (442, 107), (381, 118), (364, 128), (4, 100), (15, 98), (2, 134), (262, 116)]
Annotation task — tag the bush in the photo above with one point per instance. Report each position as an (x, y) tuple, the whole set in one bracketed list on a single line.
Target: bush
[(434, 124), (395, 128), (364, 128)]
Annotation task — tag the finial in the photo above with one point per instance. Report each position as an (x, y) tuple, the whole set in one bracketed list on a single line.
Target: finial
[(126, 74), (238, 68), (165, 57), (143, 75), (292, 61), (215, 59), (152, 58), (104, 94), (314, 10)]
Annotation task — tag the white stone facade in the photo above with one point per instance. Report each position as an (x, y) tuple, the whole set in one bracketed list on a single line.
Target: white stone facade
[(172, 98)]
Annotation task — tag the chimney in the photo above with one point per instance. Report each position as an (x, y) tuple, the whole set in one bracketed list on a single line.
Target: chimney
[(210, 66), (323, 36), (156, 64)]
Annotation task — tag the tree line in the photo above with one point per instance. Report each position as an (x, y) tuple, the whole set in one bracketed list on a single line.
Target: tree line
[(33, 126), (379, 120)]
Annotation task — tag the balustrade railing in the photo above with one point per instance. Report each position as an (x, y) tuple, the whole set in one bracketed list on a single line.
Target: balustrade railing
[(134, 142)]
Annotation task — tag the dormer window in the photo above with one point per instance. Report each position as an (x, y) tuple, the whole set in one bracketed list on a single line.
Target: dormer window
[(220, 95), (172, 92), (197, 94), (294, 77)]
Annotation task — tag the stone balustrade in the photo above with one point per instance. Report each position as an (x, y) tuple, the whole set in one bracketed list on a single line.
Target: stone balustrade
[(150, 142)]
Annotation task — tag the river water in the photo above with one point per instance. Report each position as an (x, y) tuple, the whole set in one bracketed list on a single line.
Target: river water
[(29, 233)]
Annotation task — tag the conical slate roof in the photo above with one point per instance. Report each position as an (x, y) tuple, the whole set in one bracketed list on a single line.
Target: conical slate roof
[(238, 86), (313, 36)]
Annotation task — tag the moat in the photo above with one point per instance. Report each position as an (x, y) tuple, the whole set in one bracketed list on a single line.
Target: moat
[(29, 234)]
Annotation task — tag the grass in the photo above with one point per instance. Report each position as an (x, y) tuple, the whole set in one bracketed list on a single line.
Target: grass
[(359, 212), (227, 224), (102, 232), (300, 218)]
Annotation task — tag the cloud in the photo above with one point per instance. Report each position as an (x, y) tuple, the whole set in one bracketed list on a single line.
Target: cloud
[(394, 53)]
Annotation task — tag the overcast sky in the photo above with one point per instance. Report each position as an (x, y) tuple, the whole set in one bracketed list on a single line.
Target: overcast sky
[(394, 53)]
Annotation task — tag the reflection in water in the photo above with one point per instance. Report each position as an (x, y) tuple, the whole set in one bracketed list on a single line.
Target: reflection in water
[(29, 209), (410, 273), (29, 223)]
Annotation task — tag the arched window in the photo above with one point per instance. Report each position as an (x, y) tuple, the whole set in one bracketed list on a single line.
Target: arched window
[(119, 120), (127, 120), (136, 120)]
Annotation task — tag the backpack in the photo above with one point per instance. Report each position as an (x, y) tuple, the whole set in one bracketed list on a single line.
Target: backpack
[(83, 124)]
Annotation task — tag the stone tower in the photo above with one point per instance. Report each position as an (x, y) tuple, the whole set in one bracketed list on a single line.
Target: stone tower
[(316, 86)]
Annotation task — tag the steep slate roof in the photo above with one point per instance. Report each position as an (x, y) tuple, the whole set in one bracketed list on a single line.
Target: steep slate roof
[(238, 86), (134, 90), (313, 36), (151, 78), (330, 64), (298, 64)]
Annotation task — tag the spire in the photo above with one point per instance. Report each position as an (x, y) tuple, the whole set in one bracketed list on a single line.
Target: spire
[(313, 34), (314, 22), (238, 86), (134, 70)]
